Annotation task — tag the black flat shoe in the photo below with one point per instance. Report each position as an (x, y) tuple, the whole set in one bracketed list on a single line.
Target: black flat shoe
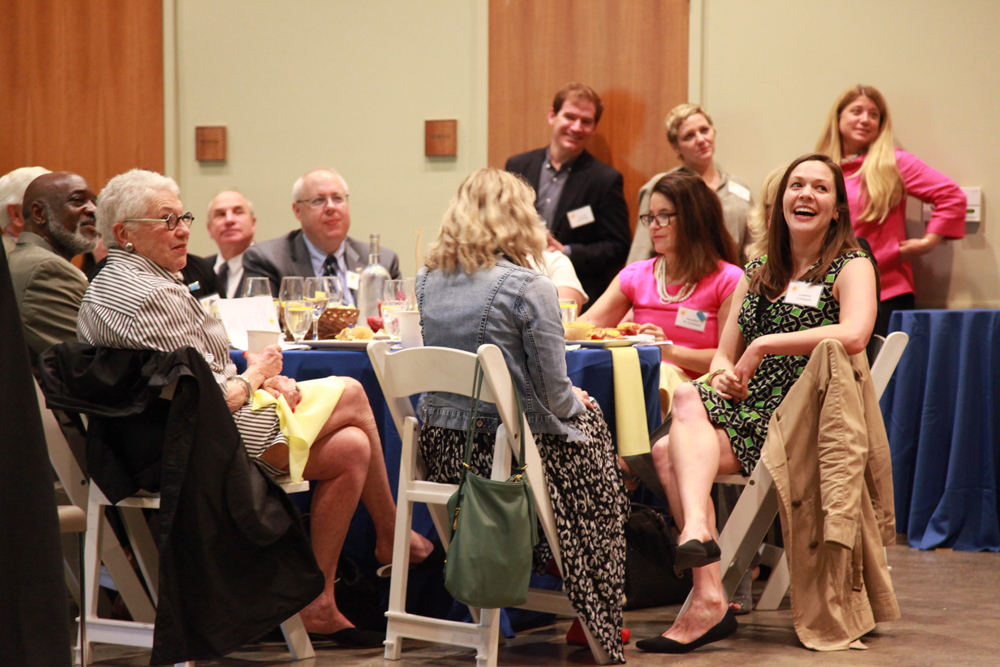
[(696, 554), (434, 561), (724, 628), (351, 638)]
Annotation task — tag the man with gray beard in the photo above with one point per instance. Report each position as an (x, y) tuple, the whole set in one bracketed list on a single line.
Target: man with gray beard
[(59, 224)]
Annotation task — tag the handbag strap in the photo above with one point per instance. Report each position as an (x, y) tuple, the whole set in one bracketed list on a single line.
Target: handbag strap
[(470, 432)]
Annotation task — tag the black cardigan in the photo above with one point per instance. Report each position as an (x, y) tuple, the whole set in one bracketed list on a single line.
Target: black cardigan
[(234, 558)]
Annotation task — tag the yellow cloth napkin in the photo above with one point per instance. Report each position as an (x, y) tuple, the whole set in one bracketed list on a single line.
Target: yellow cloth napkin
[(319, 398), (630, 403)]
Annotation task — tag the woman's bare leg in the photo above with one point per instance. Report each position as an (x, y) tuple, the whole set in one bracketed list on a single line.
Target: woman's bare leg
[(354, 410), (687, 463), (338, 461)]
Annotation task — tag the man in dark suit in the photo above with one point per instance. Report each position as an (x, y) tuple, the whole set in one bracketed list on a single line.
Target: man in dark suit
[(322, 246), (579, 197)]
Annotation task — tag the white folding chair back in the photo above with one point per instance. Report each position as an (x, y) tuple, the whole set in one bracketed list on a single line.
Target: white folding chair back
[(758, 505), (427, 369)]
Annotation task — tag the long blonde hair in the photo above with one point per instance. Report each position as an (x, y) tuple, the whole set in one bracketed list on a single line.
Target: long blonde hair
[(757, 220), (881, 183), (492, 214)]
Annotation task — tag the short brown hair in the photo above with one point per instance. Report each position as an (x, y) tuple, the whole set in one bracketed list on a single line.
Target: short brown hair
[(582, 91), (702, 237), (678, 115)]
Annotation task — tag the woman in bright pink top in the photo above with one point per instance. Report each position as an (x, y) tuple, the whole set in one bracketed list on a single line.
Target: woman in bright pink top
[(686, 329), (879, 176), (683, 293)]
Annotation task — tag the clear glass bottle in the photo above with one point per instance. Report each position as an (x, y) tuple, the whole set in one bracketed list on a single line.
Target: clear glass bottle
[(371, 284)]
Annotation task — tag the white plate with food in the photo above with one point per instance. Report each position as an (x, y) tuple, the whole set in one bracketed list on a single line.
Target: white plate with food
[(337, 344), (639, 339)]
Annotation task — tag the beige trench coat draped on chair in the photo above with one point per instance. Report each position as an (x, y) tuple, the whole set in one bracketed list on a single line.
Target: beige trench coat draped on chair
[(828, 453)]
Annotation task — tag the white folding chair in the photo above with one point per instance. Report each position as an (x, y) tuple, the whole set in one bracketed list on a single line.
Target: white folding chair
[(140, 633), (73, 482), (758, 505), (433, 369), (100, 538)]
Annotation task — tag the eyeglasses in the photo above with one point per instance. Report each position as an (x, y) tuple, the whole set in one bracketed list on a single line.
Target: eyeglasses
[(319, 202), (662, 219), (171, 220)]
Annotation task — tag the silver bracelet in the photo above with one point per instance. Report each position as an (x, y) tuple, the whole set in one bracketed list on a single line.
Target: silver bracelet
[(246, 385)]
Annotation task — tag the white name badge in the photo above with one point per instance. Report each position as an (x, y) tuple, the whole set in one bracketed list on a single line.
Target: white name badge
[(580, 217), (803, 294), (689, 318), (740, 191), (353, 280)]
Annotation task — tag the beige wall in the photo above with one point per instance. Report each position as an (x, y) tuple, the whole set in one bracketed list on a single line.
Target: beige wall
[(342, 83), (771, 71), (349, 83)]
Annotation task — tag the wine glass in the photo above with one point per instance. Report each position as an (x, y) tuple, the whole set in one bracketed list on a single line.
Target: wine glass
[(298, 318), (292, 289), (298, 313), (320, 293), (257, 287), (400, 290)]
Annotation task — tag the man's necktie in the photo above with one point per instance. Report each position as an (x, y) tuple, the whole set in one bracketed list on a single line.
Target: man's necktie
[(223, 278), (331, 267)]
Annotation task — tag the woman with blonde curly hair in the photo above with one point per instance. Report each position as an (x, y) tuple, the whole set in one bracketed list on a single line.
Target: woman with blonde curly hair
[(858, 135), (476, 288)]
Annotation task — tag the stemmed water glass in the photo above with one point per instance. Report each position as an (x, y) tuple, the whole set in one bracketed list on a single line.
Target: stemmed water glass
[(257, 287), (298, 314), (397, 295), (321, 293)]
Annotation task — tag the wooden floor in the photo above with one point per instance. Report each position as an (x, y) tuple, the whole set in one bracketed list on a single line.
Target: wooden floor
[(950, 603)]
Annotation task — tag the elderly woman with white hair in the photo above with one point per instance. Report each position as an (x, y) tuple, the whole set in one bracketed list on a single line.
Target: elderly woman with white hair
[(139, 302)]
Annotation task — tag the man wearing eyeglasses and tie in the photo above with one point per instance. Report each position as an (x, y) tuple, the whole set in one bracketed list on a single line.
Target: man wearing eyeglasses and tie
[(321, 247)]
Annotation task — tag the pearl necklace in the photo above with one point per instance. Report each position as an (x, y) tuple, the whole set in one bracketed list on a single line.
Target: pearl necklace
[(660, 270)]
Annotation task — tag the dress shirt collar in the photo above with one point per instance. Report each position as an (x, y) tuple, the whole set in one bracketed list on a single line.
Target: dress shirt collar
[(317, 257)]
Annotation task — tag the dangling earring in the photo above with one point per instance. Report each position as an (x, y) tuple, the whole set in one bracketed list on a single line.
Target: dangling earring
[(129, 247)]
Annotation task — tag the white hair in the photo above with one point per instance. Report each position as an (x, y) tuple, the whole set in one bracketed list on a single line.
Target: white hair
[(127, 196), (12, 188), (299, 184)]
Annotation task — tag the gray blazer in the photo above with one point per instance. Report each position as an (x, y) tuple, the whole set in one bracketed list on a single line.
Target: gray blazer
[(288, 256), (48, 290)]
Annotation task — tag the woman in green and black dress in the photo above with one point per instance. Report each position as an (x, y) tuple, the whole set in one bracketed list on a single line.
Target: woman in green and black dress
[(813, 284)]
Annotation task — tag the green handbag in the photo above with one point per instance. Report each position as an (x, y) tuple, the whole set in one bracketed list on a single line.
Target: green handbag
[(493, 532)]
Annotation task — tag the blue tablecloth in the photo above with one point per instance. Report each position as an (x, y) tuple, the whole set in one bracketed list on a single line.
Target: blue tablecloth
[(589, 369), (942, 415)]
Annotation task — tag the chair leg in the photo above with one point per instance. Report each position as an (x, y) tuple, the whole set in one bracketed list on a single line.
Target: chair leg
[(297, 638), (81, 635), (776, 588)]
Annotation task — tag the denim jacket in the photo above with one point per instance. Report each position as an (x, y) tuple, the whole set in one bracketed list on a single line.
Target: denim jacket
[(517, 310)]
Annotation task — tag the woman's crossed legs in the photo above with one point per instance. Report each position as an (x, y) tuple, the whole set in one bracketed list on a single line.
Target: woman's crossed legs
[(687, 462), (346, 460)]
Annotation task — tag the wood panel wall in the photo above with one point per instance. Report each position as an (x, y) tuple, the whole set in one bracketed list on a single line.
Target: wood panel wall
[(81, 85), (634, 53)]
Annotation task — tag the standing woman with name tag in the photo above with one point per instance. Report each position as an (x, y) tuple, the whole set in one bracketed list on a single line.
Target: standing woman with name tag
[(814, 284), (682, 295)]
